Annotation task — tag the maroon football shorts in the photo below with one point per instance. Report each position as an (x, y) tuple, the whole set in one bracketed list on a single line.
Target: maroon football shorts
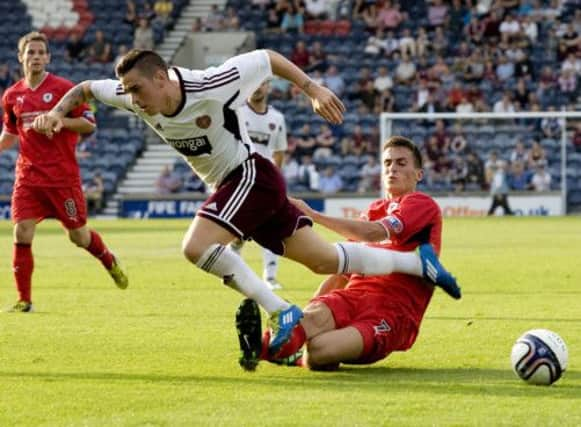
[(67, 204), (380, 322), (252, 203)]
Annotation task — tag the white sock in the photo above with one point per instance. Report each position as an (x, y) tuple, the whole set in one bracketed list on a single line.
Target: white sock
[(221, 261), (237, 245), (358, 258), (269, 263)]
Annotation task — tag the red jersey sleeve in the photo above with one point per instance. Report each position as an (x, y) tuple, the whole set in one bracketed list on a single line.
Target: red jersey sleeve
[(413, 220), (8, 118)]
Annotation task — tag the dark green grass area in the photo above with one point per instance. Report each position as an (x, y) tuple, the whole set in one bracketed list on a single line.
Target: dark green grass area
[(164, 352)]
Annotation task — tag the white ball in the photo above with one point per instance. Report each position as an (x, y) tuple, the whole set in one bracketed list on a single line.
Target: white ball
[(539, 357)]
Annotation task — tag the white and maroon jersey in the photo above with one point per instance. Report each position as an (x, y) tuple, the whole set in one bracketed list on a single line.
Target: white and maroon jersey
[(205, 129), (266, 130)]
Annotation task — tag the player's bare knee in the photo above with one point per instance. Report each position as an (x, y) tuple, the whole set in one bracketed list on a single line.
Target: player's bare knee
[(191, 252), (319, 354)]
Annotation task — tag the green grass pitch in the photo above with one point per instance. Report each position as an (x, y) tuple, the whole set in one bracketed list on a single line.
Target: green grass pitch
[(164, 352)]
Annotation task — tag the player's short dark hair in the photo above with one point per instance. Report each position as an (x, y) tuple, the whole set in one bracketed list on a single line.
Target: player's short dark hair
[(402, 141), (146, 61), (33, 36)]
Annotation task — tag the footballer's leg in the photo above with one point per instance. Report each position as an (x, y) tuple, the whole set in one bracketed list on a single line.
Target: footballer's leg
[(308, 248), (270, 268), (92, 242), (327, 350), (206, 245), (249, 329), (23, 264)]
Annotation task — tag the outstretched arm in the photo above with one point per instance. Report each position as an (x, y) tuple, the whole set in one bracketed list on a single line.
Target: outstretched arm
[(360, 231), (53, 121), (325, 102)]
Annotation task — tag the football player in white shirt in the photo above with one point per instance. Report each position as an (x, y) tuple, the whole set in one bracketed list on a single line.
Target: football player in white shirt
[(267, 130), (195, 111)]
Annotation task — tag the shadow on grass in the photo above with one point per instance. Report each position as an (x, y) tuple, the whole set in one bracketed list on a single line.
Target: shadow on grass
[(464, 381)]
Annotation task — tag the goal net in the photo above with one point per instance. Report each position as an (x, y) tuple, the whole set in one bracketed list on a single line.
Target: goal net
[(469, 156)]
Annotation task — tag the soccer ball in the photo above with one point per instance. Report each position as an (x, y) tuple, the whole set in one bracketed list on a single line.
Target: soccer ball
[(539, 357)]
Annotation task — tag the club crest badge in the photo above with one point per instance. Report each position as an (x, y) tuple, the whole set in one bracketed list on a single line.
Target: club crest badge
[(203, 122), (47, 97), (271, 126)]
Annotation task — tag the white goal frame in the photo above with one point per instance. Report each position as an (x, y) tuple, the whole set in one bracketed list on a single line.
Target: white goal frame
[(386, 126)]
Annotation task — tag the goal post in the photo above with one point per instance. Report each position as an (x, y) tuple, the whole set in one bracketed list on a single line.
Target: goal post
[(405, 124)]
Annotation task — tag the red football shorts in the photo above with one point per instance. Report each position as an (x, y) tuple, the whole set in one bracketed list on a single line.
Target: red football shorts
[(380, 322), (67, 204)]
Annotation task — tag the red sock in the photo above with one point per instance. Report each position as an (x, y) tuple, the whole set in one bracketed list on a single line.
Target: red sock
[(23, 264), (293, 345), (98, 249)]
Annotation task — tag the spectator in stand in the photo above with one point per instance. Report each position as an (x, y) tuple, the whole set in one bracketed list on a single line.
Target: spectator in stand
[(456, 15), (292, 21), (231, 20), (334, 81), (440, 42), (432, 105), (316, 9), (572, 63), (193, 184), (300, 55), (551, 126), (541, 179), (279, 88), (168, 182), (121, 51), (455, 95), (389, 16), (330, 182), (305, 142), (570, 40), (163, 10), (100, 50), (273, 21), (94, 193), (143, 37), (474, 31), (504, 69), (376, 44), (355, 142), (465, 106), (536, 156), (405, 72), (437, 13), (504, 105), (290, 170), (440, 72), (423, 44), (458, 144), (215, 20), (519, 153), (5, 78), (510, 29), (370, 177), (576, 139), (75, 48), (130, 13), (325, 142), (530, 29), (519, 178), (407, 43), (492, 24), (382, 80), (459, 174), (308, 176), (522, 94), (317, 58), (386, 102), (147, 12), (368, 95), (475, 172), (198, 25)]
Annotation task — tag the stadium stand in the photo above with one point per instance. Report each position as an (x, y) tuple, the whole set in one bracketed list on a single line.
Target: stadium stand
[(467, 63)]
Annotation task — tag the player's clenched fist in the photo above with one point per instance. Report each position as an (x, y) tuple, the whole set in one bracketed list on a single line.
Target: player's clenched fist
[(47, 124)]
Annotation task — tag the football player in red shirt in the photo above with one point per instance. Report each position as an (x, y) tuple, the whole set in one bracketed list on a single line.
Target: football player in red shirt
[(48, 183), (362, 319)]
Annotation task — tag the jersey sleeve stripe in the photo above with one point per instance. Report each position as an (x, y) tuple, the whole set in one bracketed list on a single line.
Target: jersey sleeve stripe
[(199, 85), (215, 76), (212, 86)]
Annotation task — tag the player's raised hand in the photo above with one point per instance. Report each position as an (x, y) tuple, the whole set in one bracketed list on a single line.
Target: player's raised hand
[(47, 124), (327, 104)]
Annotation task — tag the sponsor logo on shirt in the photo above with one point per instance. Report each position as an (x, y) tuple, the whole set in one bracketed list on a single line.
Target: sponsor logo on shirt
[(204, 122), (191, 146)]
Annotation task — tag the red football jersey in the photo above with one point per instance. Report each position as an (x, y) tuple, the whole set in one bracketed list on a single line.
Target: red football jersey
[(42, 161), (411, 220)]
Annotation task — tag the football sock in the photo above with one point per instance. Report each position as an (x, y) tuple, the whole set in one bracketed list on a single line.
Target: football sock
[(358, 258), (98, 249), (294, 344), (270, 264), (23, 265), (221, 261)]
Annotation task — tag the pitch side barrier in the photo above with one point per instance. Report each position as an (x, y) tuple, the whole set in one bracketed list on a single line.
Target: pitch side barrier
[(347, 205)]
